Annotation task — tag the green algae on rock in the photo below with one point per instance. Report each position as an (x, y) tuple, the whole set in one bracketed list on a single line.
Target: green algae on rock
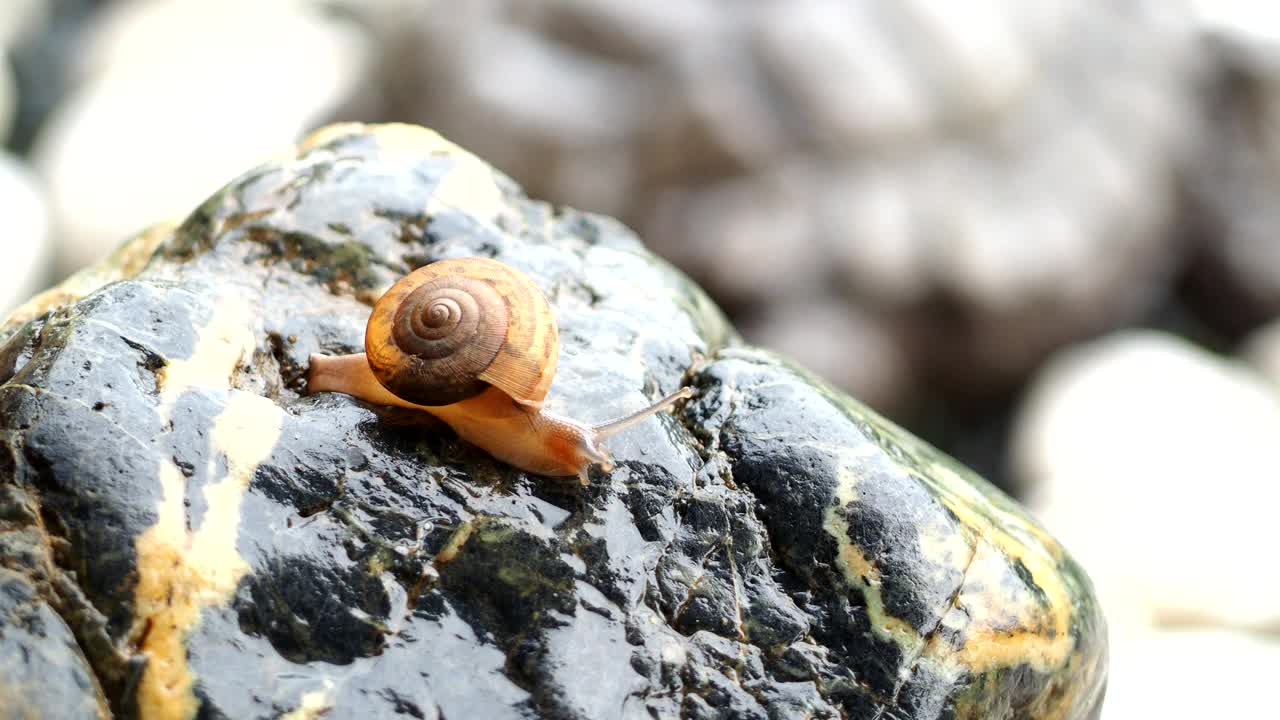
[(242, 550)]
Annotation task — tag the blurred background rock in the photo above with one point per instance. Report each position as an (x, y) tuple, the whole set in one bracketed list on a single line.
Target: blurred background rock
[(1042, 235)]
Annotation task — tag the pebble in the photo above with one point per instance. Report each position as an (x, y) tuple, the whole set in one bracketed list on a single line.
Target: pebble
[(169, 109), (1153, 460), (26, 266)]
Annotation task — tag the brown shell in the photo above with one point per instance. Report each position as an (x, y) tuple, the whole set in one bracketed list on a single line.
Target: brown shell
[(447, 330)]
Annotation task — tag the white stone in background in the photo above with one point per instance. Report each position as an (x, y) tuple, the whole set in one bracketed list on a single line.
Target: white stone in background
[(21, 18), (1246, 24), (184, 96), (1191, 673), (1156, 465), (24, 242)]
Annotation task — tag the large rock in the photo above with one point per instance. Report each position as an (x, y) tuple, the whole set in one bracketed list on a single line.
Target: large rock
[(774, 549)]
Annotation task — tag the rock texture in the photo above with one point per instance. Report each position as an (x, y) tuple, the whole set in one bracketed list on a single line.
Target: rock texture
[(218, 543)]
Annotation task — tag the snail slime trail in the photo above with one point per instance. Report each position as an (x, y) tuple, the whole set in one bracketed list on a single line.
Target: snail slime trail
[(473, 342)]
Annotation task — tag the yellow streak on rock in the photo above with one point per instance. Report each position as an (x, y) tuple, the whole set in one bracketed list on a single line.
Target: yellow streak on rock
[(1003, 624), (858, 570), (219, 349), (1059, 699), (179, 572), (455, 543), (1006, 629), (165, 605), (470, 184)]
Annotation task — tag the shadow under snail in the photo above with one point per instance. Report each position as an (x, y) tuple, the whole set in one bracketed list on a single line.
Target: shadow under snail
[(473, 342)]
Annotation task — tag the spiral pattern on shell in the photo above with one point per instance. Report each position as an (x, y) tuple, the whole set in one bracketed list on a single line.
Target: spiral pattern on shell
[(448, 330)]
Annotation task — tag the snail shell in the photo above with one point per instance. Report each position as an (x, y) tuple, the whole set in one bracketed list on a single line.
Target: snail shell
[(473, 342), (447, 331)]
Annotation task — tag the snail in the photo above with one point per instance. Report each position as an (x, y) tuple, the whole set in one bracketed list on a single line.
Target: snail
[(473, 342)]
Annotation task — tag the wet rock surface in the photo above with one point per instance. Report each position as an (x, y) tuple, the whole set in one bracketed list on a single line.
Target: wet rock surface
[(219, 543)]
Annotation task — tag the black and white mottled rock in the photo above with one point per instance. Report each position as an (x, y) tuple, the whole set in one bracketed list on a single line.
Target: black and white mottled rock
[(999, 178), (773, 549), (163, 113)]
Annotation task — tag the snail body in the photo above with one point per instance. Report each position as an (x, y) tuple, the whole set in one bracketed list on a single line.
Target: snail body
[(473, 342)]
